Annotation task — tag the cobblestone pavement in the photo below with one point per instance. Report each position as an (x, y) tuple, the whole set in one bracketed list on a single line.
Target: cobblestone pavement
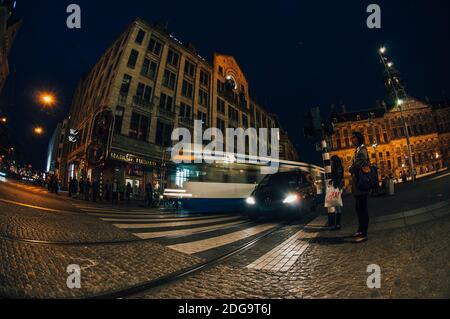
[(415, 263), (414, 259), (25, 223), (38, 271)]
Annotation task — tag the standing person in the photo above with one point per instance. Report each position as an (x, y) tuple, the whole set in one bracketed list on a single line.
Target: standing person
[(149, 194), (107, 190), (75, 187), (70, 188), (129, 190), (115, 192), (337, 180), (56, 184), (95, 190), (87, 189), (81, 186), (361, 160), (404, 178)]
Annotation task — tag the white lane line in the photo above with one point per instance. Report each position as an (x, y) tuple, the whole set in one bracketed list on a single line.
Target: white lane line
[(439, 177), (176, 224), (285, 255), (215, 242), (186, 232), (162, 218), (132, 216)]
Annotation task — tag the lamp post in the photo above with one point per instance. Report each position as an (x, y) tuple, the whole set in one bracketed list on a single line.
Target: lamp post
[(394, 82)]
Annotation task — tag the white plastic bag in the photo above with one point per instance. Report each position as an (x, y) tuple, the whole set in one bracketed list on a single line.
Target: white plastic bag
[(333, 197)]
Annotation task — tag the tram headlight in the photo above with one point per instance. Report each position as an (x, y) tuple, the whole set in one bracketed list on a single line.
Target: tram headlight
[(251, 201), (291, 199)]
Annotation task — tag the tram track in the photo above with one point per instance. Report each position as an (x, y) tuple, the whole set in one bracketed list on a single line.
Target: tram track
[(141, 289)]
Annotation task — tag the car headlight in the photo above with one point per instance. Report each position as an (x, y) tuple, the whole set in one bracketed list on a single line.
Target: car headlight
[(250, 201), (291, 199)]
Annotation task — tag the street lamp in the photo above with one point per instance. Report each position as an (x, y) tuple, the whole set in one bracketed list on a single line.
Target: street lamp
[(47, 99), (3, 120), (388, 67), (38, 130)]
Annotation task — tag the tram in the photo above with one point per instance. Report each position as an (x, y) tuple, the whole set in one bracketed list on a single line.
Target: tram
[(224, 184)]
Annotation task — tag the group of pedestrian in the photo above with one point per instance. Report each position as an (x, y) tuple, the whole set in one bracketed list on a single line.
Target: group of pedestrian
[(361, 163), (84, 189), (53, 184)]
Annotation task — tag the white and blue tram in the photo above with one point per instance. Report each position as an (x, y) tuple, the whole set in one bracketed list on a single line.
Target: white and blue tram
[(224, 185)]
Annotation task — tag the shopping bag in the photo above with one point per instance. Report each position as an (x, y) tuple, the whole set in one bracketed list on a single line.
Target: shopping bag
[(333, 197)]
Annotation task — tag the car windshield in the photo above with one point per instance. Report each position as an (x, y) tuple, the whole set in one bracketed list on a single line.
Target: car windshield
[(283, 180)]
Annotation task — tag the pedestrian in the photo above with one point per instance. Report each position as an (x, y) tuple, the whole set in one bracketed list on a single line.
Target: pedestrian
[(129, 190), (115, 192), (87, 189), (81, 185), (95, 189), (404, 178), (108, 190), (149, 194), (55, 184), (75, 187), (337, 180), (361, 196)]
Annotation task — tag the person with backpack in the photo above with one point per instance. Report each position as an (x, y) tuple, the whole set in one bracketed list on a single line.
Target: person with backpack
[(337, 181), (361, 186)]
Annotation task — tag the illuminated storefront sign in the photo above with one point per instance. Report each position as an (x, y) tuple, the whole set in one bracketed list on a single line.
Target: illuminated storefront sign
[(132, 159)]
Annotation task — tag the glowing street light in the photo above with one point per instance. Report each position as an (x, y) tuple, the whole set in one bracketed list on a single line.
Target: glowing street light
[(38, 130), (383, 50), (390, 64), (47, 99), (3, 120), (400, 102)]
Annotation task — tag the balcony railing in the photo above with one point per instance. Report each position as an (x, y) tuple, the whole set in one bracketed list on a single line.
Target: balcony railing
[(140, 102)]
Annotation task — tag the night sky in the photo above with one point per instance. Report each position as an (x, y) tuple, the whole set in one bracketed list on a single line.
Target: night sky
[(296, 54)]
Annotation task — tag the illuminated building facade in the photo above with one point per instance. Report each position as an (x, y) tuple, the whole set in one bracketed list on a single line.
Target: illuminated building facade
[(385, 136), (152, 83)]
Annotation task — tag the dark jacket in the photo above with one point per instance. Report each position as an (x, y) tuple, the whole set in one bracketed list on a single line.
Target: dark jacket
[(361, 159)]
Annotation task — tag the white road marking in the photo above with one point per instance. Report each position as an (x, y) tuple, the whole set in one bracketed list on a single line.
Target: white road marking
[(219, 241), (285, 255), (152, 219), (186, 232), (177, 223)]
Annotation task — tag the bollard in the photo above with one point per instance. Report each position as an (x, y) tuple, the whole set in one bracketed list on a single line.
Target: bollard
[(391, 187)]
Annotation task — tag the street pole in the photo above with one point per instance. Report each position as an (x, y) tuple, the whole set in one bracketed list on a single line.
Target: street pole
[(399, 104), (327, 166)]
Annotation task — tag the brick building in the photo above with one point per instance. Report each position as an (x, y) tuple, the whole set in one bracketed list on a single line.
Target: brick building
[(151, 83), (428, 127)]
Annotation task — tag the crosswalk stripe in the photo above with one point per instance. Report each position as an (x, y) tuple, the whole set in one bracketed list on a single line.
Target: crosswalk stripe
[(133, 216), (219, 241), (284, 256), (186, 232), (176, 224), (151, 219)]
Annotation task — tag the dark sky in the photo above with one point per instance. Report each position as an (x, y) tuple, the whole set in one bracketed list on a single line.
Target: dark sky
[(296, 54)]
